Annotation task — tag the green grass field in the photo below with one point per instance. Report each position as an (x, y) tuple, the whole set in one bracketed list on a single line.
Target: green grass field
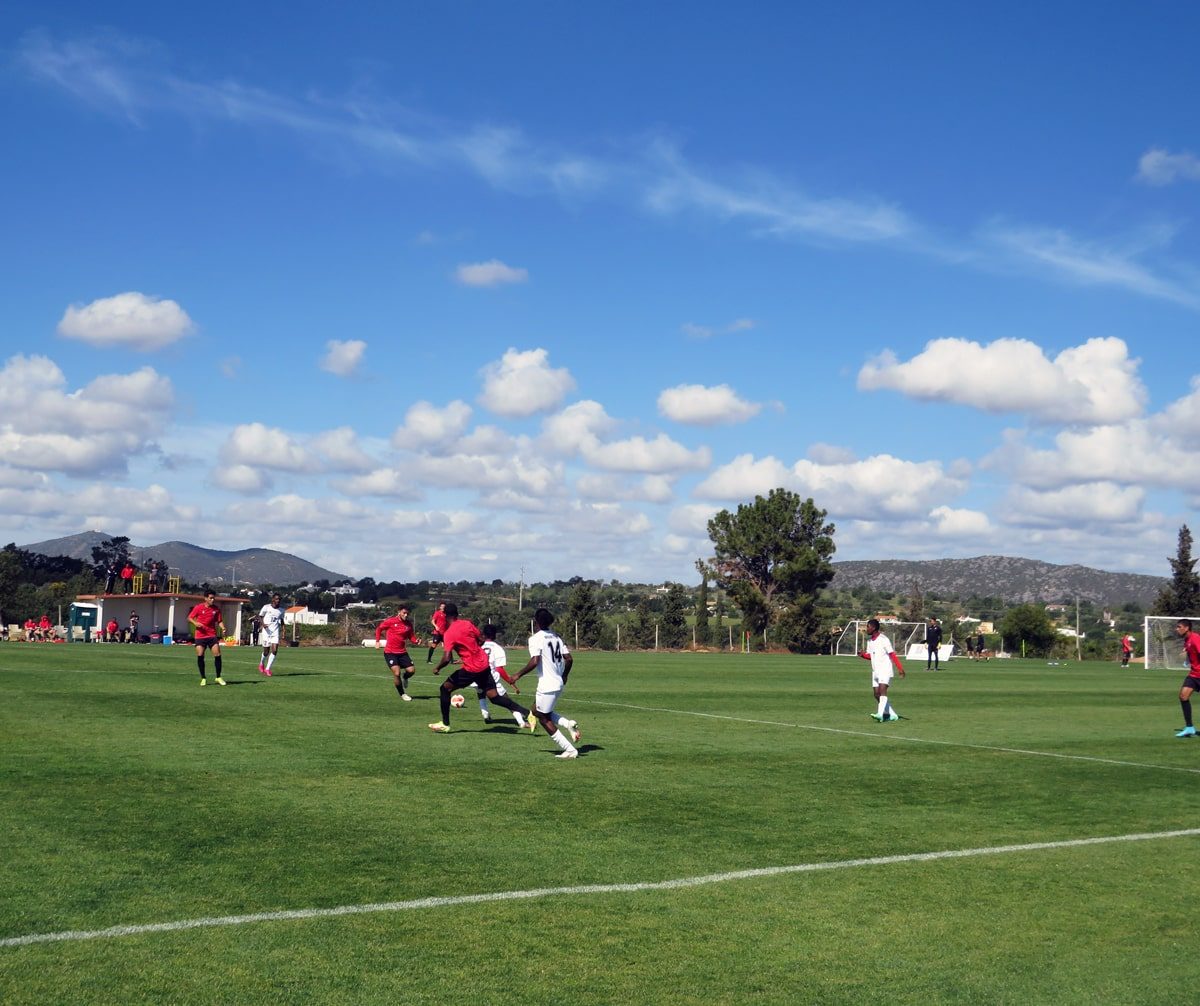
[(129, 796)]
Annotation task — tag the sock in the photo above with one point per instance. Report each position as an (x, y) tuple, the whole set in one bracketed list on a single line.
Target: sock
[(1185, 703), (399, 688), (270, 661), (263, 658), (510, 705), (560, 738), (429, 655), (518, 719), (483, 706), (217, 665), (444, 696), (891, 711), (200, 664), (882, 705)]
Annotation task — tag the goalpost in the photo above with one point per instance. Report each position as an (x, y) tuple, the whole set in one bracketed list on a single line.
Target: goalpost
[(1164, 648), (854, 636)]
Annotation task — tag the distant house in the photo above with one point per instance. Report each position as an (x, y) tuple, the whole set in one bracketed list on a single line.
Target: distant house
[(1055, 609), (299, 614)]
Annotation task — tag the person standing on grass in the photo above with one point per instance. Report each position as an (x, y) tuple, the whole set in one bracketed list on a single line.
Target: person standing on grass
[(549, 654), (497, 659), (1126, 649), (933, 640), (134, 618), (400, 633), (883, 660), (270, 621), (465, 639), (208, 627), (1191, 652), (438, 620)]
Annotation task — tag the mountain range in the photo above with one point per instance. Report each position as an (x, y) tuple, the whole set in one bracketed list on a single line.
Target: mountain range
[(1007, 577), (195, 564)]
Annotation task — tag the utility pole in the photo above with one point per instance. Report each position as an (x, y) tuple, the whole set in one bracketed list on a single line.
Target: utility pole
[(1078, 644), (521, 591)]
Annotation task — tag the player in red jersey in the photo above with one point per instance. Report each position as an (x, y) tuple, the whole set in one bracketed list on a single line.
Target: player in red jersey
[(439, 621), (463, 638), (207, 629), (400, 633), (45, 629), (1126, 649), (1191, 652)]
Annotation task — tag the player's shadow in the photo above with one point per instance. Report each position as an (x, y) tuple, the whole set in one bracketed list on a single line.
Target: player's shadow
[(296, 674)]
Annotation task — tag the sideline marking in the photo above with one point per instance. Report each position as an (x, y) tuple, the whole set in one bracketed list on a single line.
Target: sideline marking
[(893, 737), (549, 892)]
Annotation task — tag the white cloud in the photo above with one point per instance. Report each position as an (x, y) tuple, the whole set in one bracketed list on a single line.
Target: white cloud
[(951, 523), (612, 488), (1158, 167), (129, 320), (699, 405), (490, 273), (660, 456), (427, 425), (240, 478), (879, 487), (100, 426), (578, 426), (522, 383), (691, 519), (386, 482), (258, 446), (343, 358), (1087, 503), (1093, 383)]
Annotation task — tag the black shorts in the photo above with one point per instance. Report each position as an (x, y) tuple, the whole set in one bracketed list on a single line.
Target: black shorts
[(398, 659), (207, 641), (435, 638), (483, 680), (1191, 682)]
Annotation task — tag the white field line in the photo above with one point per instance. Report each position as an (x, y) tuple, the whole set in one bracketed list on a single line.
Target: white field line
[(555, 892), (882, 735)]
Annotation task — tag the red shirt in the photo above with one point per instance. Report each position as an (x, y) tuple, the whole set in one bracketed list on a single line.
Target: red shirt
[(1191, 648), (30, 623), (127, 573), (207, 618), (467, 641), (45, 623), (399, 632), (1126, 644), (439, 621), (112, 626)]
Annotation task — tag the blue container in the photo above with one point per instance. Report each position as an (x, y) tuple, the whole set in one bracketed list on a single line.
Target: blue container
[(167, 640)]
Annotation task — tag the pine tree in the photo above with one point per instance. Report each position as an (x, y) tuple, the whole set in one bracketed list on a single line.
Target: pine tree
[(1182, 595)]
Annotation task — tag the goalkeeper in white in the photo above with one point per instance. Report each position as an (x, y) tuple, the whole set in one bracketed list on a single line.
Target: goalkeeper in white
[(883, 659), (549, 654)]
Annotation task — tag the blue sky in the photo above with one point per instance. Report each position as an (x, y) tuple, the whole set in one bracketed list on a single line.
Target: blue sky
[(459, 290)]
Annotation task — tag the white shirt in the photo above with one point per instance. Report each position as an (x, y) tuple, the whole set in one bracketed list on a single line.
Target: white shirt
[(880, 648), (551, 649), (496, 655), (272, 618)]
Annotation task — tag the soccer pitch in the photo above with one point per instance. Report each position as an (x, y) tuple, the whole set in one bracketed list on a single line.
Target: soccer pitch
[(737, 829)]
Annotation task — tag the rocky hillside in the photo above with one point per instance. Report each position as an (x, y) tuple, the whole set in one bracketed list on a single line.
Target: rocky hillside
[(200, 565), (1001, 576)]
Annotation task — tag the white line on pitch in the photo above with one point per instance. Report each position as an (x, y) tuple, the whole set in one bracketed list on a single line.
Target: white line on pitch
[(555, 892), (879, 735)]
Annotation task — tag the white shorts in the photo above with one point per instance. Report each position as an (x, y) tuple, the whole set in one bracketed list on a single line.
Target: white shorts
[(497, 681), (266, 638), (544, 701), (881, 678)]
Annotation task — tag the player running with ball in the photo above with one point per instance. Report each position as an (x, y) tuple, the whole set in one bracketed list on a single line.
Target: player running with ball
[(883, 658), (463, 638), (549, 654)]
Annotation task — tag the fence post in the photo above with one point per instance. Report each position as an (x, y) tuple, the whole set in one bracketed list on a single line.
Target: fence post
[(656, 635), (618, 635), (577, 634)]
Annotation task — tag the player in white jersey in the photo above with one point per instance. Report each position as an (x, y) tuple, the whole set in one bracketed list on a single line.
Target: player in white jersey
[(270, 619), (883, 659), (549, 654), (497, 661)]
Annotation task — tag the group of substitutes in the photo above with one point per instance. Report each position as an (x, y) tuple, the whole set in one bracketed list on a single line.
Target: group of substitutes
[(481, 666)]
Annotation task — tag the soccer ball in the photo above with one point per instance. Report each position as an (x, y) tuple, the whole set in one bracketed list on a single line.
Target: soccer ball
[(457, 701)]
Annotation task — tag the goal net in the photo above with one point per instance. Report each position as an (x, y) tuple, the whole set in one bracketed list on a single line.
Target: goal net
[(1164, 648), (853, 639)]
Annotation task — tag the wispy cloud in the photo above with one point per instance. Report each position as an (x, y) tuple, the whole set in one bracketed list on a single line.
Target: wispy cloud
[(130, 79), (490, 273), (694, 331), (343, 357), (1159, 167)]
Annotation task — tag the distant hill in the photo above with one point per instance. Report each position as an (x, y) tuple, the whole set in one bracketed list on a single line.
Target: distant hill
[(1001, 576), (199, 565)]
